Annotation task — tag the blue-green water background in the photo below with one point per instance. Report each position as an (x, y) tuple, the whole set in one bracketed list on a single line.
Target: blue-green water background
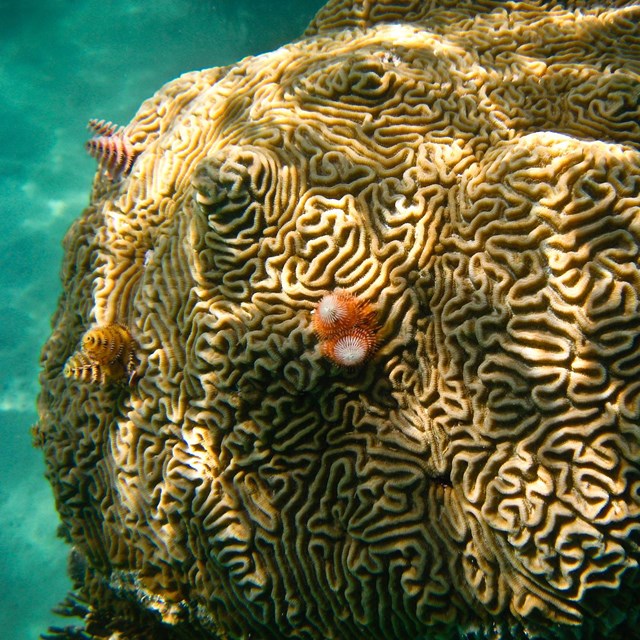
[(61, 63)]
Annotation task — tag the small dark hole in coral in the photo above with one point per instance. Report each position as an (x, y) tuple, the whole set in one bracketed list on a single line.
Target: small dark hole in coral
[(443, 480)]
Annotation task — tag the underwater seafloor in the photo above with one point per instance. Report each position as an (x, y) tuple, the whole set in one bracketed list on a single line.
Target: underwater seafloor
[(63, 63)]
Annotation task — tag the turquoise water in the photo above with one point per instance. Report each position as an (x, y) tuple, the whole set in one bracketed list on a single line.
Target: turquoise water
[(61, 63)]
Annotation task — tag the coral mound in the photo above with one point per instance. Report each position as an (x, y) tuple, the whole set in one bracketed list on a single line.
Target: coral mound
[(473, 170)]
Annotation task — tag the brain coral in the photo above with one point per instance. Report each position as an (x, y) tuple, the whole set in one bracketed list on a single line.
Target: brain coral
[(472, 170)]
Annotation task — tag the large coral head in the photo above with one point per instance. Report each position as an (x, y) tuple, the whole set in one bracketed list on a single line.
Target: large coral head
[(457, 182)]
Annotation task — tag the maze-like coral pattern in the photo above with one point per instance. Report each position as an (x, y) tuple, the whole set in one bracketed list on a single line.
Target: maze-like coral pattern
[(473, 170)]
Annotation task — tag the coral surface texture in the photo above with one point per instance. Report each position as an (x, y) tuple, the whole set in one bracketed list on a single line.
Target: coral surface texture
[(469, 171)]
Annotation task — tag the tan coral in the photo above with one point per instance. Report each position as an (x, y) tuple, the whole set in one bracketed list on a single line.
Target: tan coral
[(473, 170)]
